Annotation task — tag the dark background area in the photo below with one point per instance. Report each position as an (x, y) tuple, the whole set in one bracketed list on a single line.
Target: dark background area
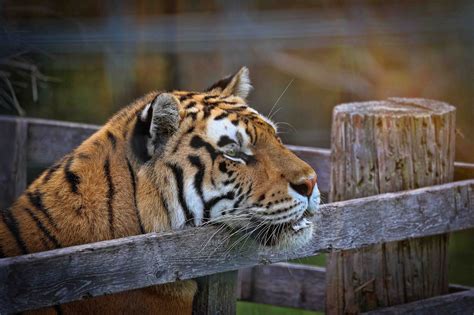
[(84, 60)]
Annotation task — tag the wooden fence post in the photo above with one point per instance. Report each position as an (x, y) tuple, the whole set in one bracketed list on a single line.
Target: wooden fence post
[(217, 294), (380, 147), (13, 136)]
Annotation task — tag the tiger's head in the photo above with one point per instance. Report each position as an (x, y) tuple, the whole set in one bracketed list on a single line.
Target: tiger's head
[(215, 159)]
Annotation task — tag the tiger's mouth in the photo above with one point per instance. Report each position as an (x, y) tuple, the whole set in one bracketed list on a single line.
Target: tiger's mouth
[(277, 234)]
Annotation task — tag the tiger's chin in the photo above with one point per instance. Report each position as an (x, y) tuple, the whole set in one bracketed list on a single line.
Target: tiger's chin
[(288, 235)]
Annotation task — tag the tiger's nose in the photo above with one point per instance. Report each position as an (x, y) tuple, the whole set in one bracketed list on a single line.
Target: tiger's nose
[(306, 186)]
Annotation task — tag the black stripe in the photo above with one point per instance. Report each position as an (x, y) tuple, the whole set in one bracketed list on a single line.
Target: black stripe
[(36, 200), (229, 181), (199, 177), (186, 96), (223, 167), (249, 190), (255, 134), (211, 203), (139, 136), (221, 84), (237, 203), (225, 140), (197, 142), (83, 156), (221, 116), (72, 178), (178, 175), (110, 196), (134, 188), (247, 131), (14, 228), (112, 139), (43, 229), (191, 104), (51, 171), (207, 112), (164, 203), (193, 115), (235, 122), (189, 130), (220, 102), (237, 109)]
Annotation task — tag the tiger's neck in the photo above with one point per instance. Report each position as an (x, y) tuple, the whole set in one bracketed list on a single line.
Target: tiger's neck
[(131, 195)]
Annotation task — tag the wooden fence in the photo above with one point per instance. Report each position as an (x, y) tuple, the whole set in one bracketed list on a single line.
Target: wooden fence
[(63, 275)]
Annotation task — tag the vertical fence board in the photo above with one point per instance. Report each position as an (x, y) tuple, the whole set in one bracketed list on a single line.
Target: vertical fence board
[(217, 294), (12, 160)]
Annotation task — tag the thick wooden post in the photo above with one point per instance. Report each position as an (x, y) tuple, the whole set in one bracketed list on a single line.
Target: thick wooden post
[(380, 147), (217, 294), (13, 136)]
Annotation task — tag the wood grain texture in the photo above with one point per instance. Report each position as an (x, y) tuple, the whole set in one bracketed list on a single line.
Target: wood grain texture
[(291, 285), (63, 275), (49, 140), (380, 147), (217, 294), (284, 284), (461, 303), (12, 160)]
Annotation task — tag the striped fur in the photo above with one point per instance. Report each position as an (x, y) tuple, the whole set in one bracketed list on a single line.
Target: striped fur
[(212, 158)]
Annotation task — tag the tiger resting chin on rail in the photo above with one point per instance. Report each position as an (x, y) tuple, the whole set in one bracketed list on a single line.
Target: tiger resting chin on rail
[(167, 161)]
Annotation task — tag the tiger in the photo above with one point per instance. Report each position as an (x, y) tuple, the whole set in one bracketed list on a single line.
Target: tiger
[(168, 161)]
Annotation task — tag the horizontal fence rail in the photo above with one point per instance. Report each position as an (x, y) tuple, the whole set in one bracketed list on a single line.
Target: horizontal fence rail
[(457, 303), (49, 140), (63, 275)]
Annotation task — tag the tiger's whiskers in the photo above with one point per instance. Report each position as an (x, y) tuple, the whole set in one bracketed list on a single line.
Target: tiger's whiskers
[(270, 114)]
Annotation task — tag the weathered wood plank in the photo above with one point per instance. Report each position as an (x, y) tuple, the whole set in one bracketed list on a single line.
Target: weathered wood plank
[(12, 160), (291, 285), (284, 284), (49, 140), (68, 274), (461, 303), (217, 294)]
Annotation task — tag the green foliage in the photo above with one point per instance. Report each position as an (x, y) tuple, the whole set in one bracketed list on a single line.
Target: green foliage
[(246, 308)]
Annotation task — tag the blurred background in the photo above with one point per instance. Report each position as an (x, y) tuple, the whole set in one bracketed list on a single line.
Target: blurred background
[(84, 60)]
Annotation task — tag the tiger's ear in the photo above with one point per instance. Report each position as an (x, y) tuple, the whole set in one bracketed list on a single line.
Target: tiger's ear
[(156, 123), (237, 84)]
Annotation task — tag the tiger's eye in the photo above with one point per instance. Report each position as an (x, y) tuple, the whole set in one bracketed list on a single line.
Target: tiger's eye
[(232, 152)]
